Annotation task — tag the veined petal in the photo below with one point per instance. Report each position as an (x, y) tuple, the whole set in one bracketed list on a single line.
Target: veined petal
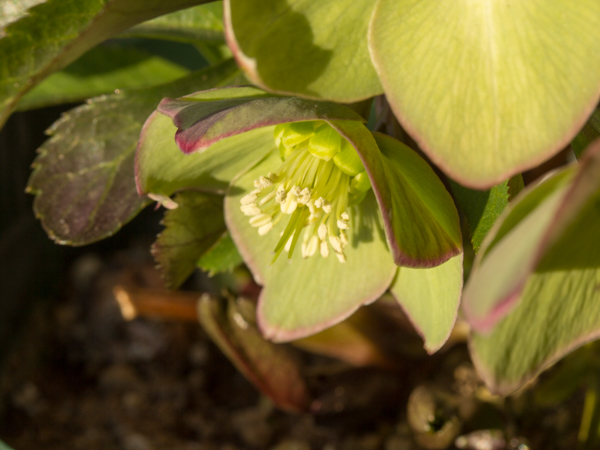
[(308, 295)]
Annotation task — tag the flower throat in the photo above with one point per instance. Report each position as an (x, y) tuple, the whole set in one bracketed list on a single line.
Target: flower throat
[(320, 177)]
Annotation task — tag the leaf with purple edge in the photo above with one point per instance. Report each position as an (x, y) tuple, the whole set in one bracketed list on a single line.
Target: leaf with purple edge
[(555, 308), (488, 89), (421, 221), (430, 298), (203, 119), (272, 368), (308, 295)]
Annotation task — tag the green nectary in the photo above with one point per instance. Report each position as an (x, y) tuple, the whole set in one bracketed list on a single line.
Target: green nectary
[(320, 177)]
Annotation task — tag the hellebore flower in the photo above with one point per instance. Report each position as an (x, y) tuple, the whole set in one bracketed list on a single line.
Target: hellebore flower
[(307, 178)]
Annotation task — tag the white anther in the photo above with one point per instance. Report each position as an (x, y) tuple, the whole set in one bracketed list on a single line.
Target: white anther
[(260, 220), (336, 244), (311, 207), (262, 182), (251, 209), (247, 199), (326, 206), (165, 201), (296, 191), (272, 176), (342, 225), (304, 196), (290, 205), (265, 229), (343, 238), (319, 202), (341, 257), (322, 232), (324, 248), (310, 248), (345, 216), (281, 194)]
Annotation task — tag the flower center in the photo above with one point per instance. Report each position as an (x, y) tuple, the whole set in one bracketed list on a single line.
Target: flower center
[(320, 177)]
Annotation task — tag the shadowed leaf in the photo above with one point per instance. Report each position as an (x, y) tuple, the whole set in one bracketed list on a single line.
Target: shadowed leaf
[(488, 89), (589, 133), (101, 71), (83, 178), (272, 368), (191, 229), (314, 48), (221, 257)]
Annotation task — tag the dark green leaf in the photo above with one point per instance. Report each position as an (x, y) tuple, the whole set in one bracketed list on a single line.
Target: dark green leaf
[(84, 176), (102, 70), (222, 257), (272, 368), (589, 133), (190, 230), (56, 33), (202, 23)]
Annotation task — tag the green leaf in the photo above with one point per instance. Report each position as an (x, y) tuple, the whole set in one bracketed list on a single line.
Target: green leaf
[(314, 48), (421, 221), (589, 133), (3, 446), (274, 369), (203, 23), (204, 118), (553, 302), (191, 229), (308, 295), (430, 298), (161, 168), (488, 89), (55, 33), (83, 178), (481, 208), (221, 257), (102, 70)]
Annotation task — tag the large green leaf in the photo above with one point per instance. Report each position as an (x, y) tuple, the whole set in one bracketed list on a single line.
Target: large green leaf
[(421, 221), (221, 257), (314, 48), (102, 70), (553, 301), (84, 176), (305, 296), (274, 369), (203, 23), (191, 229), (430, 298), (55, 33), (204, 118), (488, 88)]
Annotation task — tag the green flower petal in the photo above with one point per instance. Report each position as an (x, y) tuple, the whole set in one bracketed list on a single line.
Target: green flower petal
[(421, 221), (308, 295), (161, 168), (314, 48), (430, 298), (488, 88)]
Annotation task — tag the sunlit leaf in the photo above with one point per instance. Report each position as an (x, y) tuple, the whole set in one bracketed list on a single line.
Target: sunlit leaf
[(487, 88), (308, 295), (548, 305), (102, 70), (315, 48), (430, 298), (191, 229), (55, 33), (272, 368), (83, 178)]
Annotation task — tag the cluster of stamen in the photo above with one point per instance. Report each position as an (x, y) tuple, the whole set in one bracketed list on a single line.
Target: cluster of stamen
[(309, 188)]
